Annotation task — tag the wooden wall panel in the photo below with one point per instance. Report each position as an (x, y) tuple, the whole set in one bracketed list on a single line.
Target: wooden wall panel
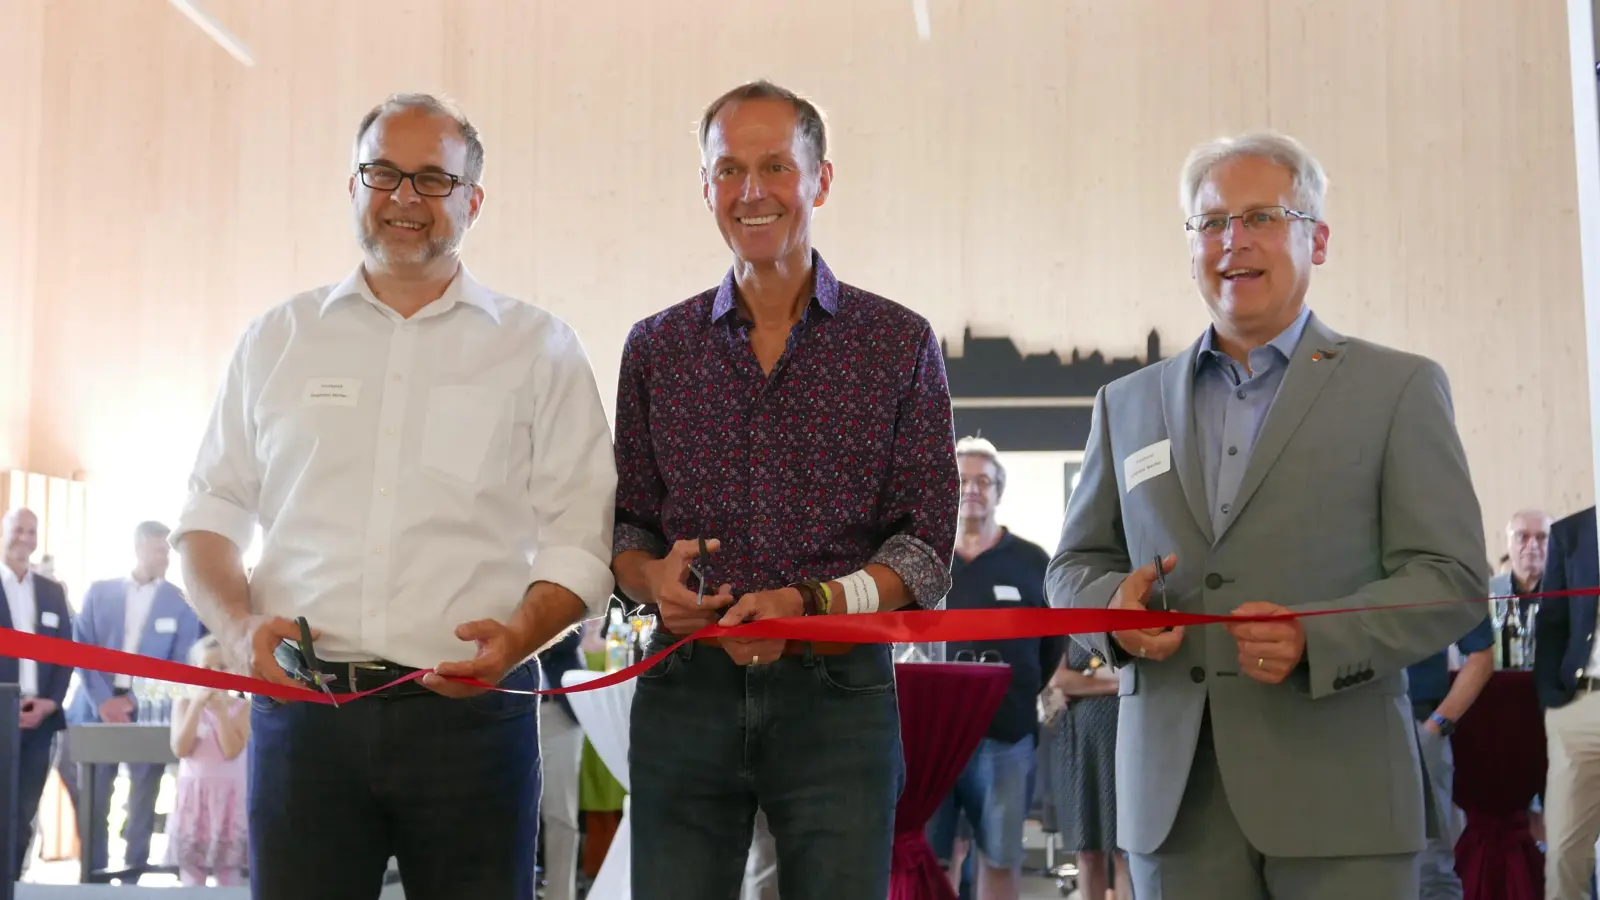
[(1016, 174), (21, 61)]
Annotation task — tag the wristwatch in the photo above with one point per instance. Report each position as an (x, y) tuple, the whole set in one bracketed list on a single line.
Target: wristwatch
[(1445, 726)]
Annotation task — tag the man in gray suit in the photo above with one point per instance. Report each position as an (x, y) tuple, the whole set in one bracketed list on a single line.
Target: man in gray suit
[(1274, 466)]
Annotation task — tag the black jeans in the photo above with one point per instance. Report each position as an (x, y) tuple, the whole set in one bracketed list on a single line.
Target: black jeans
[(449, 788)]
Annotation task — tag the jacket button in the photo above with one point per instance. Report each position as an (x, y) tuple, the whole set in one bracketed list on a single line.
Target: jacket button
[(1213, 581), (1367, 675), (1198, 674), (1340, 683)]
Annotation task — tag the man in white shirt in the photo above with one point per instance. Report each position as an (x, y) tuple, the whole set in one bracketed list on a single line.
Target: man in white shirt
[(430, 464), (35, 604), (140, 613)]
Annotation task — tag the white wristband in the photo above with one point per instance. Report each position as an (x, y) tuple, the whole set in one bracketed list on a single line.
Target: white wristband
[(860, 593), (852, 594), (870, 604)]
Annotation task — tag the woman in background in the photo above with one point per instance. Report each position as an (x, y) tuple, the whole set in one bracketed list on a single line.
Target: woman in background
[(1083, 750), (210, 728)]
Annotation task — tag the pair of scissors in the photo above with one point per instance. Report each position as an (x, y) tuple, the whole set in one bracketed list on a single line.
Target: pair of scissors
[(300, 662), (1161, 588), (698, 568), (1161, 584)]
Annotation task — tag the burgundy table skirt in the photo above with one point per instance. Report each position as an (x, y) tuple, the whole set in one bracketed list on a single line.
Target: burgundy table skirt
[(1499, 750), (945, 709)]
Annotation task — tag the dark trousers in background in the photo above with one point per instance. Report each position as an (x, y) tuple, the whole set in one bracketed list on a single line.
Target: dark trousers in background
[(143, 788), (815, 740), (448, 788), (33, 769)]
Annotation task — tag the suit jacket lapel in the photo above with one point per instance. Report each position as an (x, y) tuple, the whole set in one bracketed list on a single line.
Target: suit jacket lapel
[(1177, 406), (1302, 383), (9, 667)]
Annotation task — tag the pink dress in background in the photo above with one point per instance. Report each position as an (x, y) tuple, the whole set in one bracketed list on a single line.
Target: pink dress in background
[(210, 828)]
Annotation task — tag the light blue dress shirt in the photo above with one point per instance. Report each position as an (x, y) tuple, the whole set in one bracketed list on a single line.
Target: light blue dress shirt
[(1229, 406)]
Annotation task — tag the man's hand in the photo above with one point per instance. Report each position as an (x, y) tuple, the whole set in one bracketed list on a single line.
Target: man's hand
[(1268, 651), (1431, 727), (117, 710), (250, 642), (499, 650), (35, 710), (1133, 593), (782, 603), (669, 590)]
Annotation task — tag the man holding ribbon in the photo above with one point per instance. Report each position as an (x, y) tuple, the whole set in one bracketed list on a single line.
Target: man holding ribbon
[(784, 448), (1274, 467), (429, 460)]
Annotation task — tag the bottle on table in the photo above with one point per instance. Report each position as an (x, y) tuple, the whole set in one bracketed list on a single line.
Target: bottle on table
[(616, 642)]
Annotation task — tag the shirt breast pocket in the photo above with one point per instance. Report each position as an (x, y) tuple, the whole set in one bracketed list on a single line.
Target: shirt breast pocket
[(465, 434)]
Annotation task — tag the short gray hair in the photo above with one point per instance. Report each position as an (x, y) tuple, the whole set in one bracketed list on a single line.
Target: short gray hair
[(1310, 181), (984, 448), (438, 106), (810, 123), (154, 531)]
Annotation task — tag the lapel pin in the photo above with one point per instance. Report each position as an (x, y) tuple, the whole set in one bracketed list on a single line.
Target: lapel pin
[(1323, 354)]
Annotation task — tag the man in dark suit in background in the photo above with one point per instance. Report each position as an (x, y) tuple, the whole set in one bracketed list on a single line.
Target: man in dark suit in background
[(1567, 676), (35, 604)]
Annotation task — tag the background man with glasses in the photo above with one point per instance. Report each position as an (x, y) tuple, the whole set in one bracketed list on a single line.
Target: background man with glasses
[(1275, 465), (995, 569), (802, 428), (430, 461)]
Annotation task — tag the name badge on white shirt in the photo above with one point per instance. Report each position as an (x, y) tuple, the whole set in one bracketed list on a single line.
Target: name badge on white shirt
[(166, 626), (332, 391), (1146, 464), (1007, 592), (49, 619)]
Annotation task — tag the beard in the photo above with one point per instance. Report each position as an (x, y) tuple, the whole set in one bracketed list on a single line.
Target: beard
[(397, 253)]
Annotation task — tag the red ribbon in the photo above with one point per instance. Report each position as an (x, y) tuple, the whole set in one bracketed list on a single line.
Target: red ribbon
[(907, 626)]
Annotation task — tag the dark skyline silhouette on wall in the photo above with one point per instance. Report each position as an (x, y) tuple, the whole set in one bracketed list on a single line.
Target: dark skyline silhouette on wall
[(992, 383)]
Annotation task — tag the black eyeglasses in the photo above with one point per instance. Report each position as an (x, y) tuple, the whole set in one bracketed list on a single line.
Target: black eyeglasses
[(380, 177), (987, 656)]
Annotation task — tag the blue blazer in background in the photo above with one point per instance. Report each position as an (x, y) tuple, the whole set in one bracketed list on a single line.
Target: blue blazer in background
[(170, 630)]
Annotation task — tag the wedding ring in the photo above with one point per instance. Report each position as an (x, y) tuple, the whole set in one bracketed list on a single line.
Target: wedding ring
[(1143, 652), (1261, 663), (755, 660)]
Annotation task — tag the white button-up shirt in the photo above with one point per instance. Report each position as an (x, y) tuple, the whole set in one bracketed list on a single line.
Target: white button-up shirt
[(24, 617), (409, 475), (135, 611)]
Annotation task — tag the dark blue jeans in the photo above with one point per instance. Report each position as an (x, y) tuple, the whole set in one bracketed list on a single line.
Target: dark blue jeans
[(812, 740), (449, 788)]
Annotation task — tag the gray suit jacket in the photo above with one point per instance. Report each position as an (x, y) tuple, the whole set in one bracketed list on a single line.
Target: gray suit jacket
[(1357, 494)]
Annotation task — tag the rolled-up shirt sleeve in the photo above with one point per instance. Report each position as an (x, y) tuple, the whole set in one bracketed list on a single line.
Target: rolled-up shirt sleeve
[(225, 484), (640, 488), (574, 479), (924, 489)]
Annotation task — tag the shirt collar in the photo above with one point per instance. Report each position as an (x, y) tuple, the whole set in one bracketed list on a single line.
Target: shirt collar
[(824, 290), (1285, 343), (10, 577), (463, 289)]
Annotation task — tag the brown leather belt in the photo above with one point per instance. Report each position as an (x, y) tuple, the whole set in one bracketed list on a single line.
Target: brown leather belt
[(796, 648)]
